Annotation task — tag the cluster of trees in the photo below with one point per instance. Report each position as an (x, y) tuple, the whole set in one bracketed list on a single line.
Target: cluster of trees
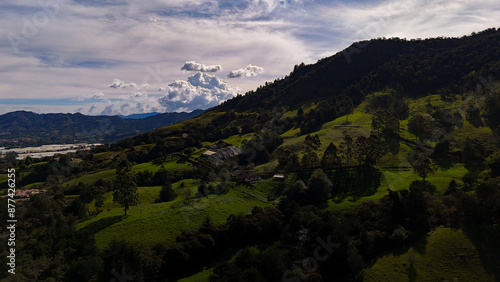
[(323, 112), (364, 151)]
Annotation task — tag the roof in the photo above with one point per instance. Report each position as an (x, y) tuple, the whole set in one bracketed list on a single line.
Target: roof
[(209, 153)]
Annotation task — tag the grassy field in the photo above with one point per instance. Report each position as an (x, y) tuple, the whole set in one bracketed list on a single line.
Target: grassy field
[(400, 179), (175, 163), (198, 277), (3, 178), (164, 221), (92, 178), (446, 255), (236, 140)]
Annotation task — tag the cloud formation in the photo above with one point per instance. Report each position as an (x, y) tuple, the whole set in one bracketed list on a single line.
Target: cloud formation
[(120, 84), (97, 95), (200, 91), (194, 66), (248, 71)]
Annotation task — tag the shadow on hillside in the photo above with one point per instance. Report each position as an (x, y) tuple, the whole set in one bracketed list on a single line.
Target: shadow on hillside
[(103, 223), (390, 145), (355, 183), (444, 163), (485, 239)]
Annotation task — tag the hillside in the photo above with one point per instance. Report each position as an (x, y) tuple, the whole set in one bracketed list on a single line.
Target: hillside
[(341, 171), (414, 68), (22, 128)]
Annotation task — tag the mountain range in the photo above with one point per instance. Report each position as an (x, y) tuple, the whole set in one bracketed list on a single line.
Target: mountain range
[(23, 128)]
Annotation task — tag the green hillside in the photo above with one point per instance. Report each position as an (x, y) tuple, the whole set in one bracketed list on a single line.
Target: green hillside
[(446, 254), (338, 172)]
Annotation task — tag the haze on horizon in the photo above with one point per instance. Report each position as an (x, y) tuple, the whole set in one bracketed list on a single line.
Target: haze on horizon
[(126, 56)]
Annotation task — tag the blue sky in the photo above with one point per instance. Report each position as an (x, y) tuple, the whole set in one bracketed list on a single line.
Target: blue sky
[(131, 56)]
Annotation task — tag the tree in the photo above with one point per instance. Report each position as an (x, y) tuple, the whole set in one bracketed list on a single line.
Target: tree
[(493, 161), (123, 167), (298, 192), (186, 194), (319, 187), (300, 115), (367, 150), (386, 122), (346, 147), (310, 160), (331, 158), (11, 156), (293, 163), (421, 125), (283, 156), (99, 198), (312, 143), (167, 194), (125, 192), (346, 106), (423, 166)]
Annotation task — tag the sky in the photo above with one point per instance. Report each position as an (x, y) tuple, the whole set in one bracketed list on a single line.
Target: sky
[(120, 57)]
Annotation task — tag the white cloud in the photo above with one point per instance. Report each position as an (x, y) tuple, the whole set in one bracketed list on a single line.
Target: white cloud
[(200, 91), (98, 95), (248, 71), (194, 66), (120, 84)]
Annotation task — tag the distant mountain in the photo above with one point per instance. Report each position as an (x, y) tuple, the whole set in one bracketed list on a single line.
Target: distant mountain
[(23, 128), (139, 116)]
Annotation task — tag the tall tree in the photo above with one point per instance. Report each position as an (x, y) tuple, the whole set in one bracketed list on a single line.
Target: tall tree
[(421, 125), (386, 122), (367, 150), (423, 166), (346, 147), (310, 160), (331, 158), (320, 187), (346, 106), (125, 192), (167, 194)]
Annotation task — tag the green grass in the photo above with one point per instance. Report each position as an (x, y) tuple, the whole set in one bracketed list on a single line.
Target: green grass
[(31, 185), (398, 180), (110, 174), (92, 178), (198, 277), (150, 223), (3, 178), (105, 156), (446, 256), (236, 140), (175, 163)]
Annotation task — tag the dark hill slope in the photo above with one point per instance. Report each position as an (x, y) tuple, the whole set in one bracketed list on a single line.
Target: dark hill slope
[(413, 68)]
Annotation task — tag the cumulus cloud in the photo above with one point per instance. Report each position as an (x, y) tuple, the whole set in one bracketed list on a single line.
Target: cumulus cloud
[(97, 95), (248, 71), (120, 84), (194, 66), (200, 91)]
